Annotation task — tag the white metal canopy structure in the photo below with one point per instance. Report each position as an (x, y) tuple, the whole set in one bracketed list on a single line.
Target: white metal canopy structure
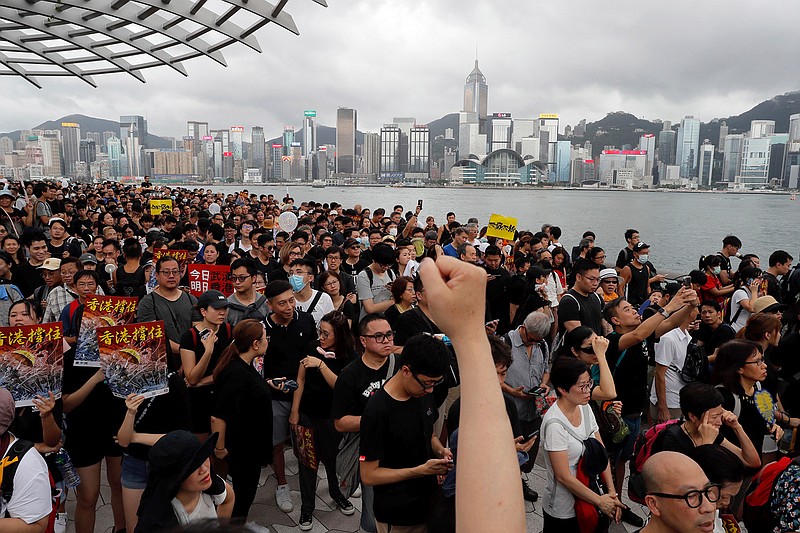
[(83, 38)]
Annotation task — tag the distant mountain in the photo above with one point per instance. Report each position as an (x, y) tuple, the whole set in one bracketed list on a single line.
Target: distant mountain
[(617, 129), (87, 124)]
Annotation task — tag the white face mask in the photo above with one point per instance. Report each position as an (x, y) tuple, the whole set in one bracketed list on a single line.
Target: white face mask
[(643, 258), (393, 232)]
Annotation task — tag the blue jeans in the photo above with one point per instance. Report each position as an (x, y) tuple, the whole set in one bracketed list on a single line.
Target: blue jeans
[(367, 518)]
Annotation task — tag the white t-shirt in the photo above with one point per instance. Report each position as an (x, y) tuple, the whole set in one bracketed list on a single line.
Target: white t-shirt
[(558, 500), (31, 499), (205, 509), (671, 353), (742, 293), (554, 289), (323, 307)]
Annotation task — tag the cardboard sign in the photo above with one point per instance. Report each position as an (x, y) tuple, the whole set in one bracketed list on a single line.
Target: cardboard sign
[(31, 361), (134, 358), (502, 227), (101, 311), (160, 205), (204, 278)]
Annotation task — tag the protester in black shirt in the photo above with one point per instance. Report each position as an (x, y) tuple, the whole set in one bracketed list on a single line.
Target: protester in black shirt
[(581, 305), (311, 409), (242, 413), (497, 289), (713, 332), (27, 275), (401, 456)]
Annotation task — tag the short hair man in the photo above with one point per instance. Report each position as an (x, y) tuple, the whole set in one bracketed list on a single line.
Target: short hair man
[(401, 454), (678, 495), (626, 254), (730, 248)]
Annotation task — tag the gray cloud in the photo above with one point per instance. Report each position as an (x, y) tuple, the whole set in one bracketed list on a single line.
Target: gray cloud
[(581, 59)]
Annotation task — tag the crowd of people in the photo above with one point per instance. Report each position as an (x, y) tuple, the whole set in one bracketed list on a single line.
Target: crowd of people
[(415, 359)]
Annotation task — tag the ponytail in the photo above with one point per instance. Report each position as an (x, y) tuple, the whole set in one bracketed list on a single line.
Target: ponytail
[(245, 334)]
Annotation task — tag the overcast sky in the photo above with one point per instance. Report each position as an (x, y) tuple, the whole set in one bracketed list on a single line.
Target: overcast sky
[(385, 58)]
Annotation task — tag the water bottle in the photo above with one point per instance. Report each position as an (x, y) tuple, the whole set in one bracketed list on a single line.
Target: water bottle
[(68, 472)]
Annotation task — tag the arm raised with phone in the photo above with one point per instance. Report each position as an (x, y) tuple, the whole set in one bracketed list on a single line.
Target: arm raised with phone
[(487, 480)]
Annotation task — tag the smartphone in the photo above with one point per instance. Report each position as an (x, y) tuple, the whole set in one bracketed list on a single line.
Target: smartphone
[(534, 434), (687, 282), (419, 203), (537, 391), (204, 334)]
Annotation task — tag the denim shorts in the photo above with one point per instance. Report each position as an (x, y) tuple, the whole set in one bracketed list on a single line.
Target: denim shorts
[(134, 472)]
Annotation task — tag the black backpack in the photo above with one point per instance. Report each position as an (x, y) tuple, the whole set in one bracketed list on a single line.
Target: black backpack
[(695, 365), (789, 295)]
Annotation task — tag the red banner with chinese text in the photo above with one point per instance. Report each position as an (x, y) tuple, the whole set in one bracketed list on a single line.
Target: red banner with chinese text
[(204, 278)]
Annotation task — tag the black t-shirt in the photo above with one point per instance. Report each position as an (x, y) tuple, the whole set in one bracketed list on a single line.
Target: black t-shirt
[(191, 341), (354, 270), (497, 301), (533, 302), (630, 373), (675, 439), (58, 251), (586, 309), (713, 339), (771, 286), (398, 434), (28, 278), (244, 402), (277, 274), (287, 346), (27, 423), (750, 419), (317, 396), (637, 286), (411, 323), (625, 256), (516, 289), (355, 385), (162, 414)]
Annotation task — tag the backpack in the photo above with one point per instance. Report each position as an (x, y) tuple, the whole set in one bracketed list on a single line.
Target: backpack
[(757, 514), (559, 340), (8, 468), (695, 365), (726, 309), (371, 275), (789, 295), (130, 285), (643, 448), (252, 310)]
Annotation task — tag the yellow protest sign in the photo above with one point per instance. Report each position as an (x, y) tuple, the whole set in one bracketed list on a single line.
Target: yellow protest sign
[(159, 205), (502, 227)]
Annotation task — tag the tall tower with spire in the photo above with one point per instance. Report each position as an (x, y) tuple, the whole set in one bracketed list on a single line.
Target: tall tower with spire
[(476, 95)]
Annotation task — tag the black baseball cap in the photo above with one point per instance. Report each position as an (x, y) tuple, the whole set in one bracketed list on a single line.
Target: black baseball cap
[(214, 299)]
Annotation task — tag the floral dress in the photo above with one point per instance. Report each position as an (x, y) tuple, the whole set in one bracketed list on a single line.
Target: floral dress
[(785, 500)]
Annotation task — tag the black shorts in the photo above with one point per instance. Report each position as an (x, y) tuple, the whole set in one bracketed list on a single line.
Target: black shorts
[(89, 451)]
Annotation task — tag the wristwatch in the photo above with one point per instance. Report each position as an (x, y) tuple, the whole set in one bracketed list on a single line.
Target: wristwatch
[(664, 313)]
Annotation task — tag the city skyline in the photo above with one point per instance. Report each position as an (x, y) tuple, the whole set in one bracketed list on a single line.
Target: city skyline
[(585, 60)]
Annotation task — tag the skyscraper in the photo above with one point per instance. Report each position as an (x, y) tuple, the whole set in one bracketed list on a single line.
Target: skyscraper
[(371, 153), (499, 132), (723, 132), (133, 134), (309, 132), (732, 157), (548, 133), (476, 96), (288, 139), (666, 147), (761, 128), (70, 143), (346, 128), (706, 164), (390, 149), (277, 161), (419, 148), (687, 152), (647, 143), (258, 149), (114, 146), (236, 140)]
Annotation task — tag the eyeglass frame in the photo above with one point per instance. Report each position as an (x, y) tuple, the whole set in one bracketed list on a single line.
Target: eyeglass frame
[(685, 497), (427, 387), (383, 336)]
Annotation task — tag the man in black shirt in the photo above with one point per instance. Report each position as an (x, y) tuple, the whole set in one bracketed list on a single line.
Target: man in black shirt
[(400, 454), (27, 275), (581, 305), (497, 302), (626, 254), (628, 354), (780, 264), (292, 335), (357, 383)]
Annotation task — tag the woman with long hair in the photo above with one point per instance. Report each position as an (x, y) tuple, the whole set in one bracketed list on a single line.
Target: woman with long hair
[(738, 371), (560, 264), (331, 285), (565, 426), (747, 281), (404, 296), (13, 246), (311, 409), (242, 413), (764, 329)]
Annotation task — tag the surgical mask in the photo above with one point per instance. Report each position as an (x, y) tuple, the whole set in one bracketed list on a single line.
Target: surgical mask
[(716, 270), (643, 258), (297, 282), (364, 241), (393, 232)]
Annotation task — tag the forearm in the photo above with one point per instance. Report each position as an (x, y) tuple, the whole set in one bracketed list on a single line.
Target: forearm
[(485, 426), (675, 319), (225, 509), (385, 476), (126, 431), (74, 400), (348, 424), (606, 386), (372, 307), (578, 489), (218, 425), (51, 433), (608, 479), (661, 386), (328, 374), (196, 372)]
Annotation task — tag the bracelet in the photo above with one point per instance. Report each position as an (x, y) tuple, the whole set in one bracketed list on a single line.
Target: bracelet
[(321, 366), (219, 449)]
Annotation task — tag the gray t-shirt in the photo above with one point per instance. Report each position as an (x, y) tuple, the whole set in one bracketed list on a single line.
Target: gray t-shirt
[(177, 315), (379, 290)]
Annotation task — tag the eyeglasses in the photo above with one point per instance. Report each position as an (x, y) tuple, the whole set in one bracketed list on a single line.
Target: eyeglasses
[(295, 254), (169, 273), (592, 279), (322, 334), (381, 337), (759, 361), (331, 284), (693, 498), (586, 387), (609, 281), (429, 386), (239, 279)]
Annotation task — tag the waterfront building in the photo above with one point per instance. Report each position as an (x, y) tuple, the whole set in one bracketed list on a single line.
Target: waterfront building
[(346, 129), (687, 152), (705, 166), (70, 144)]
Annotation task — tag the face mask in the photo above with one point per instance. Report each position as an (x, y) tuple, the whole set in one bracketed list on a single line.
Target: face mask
[(364, 241), (297, 282), (540, 286), (393, 232), (716, 270), (643, 258)]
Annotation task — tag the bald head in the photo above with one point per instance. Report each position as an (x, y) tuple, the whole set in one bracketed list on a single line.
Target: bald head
[(665, 471)]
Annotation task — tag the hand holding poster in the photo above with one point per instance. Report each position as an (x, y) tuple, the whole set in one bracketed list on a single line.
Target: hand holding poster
[(203, 278), (502, 227), (31, 361), (134, 358), (101, 311)]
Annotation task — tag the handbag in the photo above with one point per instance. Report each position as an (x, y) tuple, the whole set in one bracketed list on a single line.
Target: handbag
[(611, 424)]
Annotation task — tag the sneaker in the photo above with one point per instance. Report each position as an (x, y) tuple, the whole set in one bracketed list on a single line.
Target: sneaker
[(345, 506), (357, 492), (284, 498), (306, 521), (60, 525), (629, 517), (528, 493)]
